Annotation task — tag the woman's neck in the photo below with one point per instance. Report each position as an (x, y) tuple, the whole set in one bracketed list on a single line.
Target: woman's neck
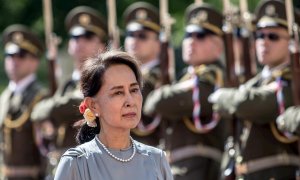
[(112, 141)]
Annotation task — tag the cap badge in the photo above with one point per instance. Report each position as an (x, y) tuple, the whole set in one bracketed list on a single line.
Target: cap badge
[(141, 14), (270, 10), (84, 19), (17, 37), (200, 17)]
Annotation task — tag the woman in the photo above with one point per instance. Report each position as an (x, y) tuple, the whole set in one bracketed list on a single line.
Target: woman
[(111, 84)]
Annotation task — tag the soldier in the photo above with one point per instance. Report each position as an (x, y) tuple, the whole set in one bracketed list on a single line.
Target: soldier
[(142, 41), (290, 120), (21, 156), (263, 152), (88, 35), (194, 138)]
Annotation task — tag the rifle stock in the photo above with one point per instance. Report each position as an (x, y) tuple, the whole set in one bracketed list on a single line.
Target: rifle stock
[(164, 63), (296, 77), (294, 51), (231, 80)]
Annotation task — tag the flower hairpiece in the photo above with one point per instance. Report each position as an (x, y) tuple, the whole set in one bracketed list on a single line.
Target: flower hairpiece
[(88, 115)]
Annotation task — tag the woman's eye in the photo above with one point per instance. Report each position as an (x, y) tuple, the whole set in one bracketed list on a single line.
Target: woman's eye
[(135, 90), (118, 93)]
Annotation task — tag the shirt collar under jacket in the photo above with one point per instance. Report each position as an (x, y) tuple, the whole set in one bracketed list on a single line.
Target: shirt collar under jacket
[(19, 87), (149, 65), (267, 71)]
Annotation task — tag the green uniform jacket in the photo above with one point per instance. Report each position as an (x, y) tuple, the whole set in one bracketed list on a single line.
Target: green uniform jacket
[(62, 110), (18, 145), (174, 102)]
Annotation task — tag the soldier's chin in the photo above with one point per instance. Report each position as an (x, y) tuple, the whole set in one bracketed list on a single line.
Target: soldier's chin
[(263, 61)]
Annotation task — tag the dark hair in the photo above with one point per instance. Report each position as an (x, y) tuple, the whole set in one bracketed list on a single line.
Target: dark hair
[(92, 80)]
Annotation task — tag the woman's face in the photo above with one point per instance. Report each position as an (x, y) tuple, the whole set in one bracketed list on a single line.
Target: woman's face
[(119, 100)]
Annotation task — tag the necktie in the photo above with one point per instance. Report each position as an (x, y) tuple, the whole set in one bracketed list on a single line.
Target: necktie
[(15, 102)]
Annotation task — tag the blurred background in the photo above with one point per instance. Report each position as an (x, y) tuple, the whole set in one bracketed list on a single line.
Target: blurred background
[(30, 13)]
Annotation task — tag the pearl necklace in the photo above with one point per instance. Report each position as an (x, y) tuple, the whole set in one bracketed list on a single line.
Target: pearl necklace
[(115, 157)]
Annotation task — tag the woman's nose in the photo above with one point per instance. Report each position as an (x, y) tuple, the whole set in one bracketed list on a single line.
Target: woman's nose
[(129, 101)]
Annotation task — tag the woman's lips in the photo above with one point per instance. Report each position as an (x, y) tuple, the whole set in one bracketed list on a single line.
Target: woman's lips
[(129, 115)]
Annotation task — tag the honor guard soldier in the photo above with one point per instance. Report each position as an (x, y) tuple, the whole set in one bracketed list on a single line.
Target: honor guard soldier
[(88, 34), (142, 41), (21, 156), (195, 136), (264, 152)]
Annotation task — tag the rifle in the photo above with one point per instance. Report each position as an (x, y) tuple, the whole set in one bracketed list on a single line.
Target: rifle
[(227, 28), (51, 43), (113, 30), (293, 29), (247, 39), (165, 56), (231, 81)]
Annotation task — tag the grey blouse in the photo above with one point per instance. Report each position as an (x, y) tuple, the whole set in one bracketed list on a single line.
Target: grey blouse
[(90, 161)]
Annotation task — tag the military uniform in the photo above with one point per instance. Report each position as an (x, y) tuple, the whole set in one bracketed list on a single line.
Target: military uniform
[(62, 109), (263, 152), (22, 158), (290, 120), (194, 153), (142, 16)]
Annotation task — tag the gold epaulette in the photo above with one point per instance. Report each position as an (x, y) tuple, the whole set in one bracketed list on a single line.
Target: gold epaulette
[(212, 74), (285, 73)]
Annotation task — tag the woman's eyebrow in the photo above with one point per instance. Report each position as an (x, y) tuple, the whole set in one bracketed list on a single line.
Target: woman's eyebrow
[(116, 88), (134, 84), (121, 87)]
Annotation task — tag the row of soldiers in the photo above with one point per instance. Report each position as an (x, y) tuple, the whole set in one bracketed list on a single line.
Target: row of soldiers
[(208, 131)]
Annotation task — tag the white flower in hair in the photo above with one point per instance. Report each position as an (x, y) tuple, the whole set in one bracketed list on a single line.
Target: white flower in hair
[(90, 117)]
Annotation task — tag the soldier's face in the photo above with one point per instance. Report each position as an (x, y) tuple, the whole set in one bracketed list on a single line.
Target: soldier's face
[(18, 67), (201, 49), (119, 100), (81, 48), (272, 46), (144, 45)]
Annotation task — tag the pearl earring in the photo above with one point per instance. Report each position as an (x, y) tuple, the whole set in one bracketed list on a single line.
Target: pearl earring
[(97, 114)]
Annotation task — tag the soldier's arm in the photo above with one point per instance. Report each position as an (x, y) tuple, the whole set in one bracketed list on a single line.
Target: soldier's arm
[(58, 109), (169, 100), (175, 101), (256, 104), (290, 120)]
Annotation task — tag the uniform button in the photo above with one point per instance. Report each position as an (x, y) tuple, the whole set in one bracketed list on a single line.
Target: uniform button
[(169, 130)]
